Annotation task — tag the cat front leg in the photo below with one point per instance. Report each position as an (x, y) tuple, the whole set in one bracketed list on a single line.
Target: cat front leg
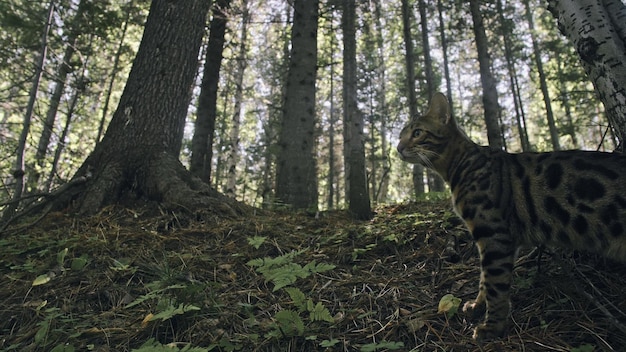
[(497, 254)]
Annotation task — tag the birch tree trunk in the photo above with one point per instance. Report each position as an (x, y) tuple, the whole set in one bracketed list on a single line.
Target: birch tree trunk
[(233, 155), (598, 32)]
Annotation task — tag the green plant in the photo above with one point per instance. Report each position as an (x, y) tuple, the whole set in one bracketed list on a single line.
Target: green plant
[(282, 271)]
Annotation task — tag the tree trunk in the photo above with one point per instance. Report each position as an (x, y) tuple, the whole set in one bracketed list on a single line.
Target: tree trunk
[(490, 93), (418, 170), (444, 49), (65, 67), (435, 183), (543, 84), (139, 152), (18, 171), (354, 148), (233, 155), (598, 32), (381, 91), (296, 174), (507, 29), (202, 140)]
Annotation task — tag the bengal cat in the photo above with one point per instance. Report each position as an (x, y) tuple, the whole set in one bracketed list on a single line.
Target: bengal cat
[(571, 198)]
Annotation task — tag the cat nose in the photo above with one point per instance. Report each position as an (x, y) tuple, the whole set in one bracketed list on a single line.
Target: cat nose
[(400, 148)]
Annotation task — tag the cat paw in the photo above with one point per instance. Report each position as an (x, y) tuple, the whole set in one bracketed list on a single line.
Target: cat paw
[(474, 309), (484, 332)]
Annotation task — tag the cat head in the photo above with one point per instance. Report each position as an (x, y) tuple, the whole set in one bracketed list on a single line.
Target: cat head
[(427, 139)]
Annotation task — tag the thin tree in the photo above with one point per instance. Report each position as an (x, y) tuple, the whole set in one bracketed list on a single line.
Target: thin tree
[(202, 140), (18, 171), (444, 49), (543, 82), (381, 90), (73, 29), (233, 144), (418, 170), (354, 148), (490, 93), (506, 28), (598, 32), (296, 173)]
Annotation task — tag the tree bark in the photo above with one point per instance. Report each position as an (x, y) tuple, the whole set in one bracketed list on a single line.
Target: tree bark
[(233, 155), (202, 140), (296, 174), (18, 171), (354, 148), (543, 84), (598, 32), (418, 170), (139, 152), (507, 29), (490, 93)]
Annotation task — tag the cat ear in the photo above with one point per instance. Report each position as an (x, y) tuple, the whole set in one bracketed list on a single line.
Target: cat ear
[(439, 108)]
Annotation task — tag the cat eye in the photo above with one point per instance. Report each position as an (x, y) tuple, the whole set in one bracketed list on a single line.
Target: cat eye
[(416, 133)]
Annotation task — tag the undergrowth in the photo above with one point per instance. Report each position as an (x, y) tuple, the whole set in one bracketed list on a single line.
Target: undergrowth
[(146, 280)]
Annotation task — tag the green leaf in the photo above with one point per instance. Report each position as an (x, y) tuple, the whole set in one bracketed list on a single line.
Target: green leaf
[(389, 345), (289, 323), (449, 305), (61, 256), (42, 332), (584, 348), (256, 241), (329, 343), (78, 263), (172, 311), (298, 298), (41, 279), (320, 313)]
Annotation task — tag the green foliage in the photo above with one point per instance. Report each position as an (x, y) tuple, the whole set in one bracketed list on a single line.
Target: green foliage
[(282, 271), (167, 310), (449, 305), (153, 345), (584, 348), (376, 346), (256, 241)]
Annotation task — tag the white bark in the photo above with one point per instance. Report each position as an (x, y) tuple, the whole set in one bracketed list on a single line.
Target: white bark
[(597, 31)]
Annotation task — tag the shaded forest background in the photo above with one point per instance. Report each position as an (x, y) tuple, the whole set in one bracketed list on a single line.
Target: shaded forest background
[(90, 46), (97, 112)]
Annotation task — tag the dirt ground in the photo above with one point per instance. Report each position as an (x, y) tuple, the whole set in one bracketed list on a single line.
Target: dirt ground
[(144, 279)]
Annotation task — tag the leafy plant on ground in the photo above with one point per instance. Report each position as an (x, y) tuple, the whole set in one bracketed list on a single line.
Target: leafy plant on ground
[(282, 271)]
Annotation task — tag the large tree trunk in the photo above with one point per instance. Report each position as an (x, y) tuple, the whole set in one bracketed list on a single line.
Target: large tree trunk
[(296, 174), (598, 31), (139, 152), (490, 93), (354, 148)]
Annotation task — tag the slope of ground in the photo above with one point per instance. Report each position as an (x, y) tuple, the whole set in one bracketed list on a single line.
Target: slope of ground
[(147, 280)]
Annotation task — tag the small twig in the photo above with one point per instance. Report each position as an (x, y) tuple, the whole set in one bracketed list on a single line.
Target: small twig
[(599, 305)]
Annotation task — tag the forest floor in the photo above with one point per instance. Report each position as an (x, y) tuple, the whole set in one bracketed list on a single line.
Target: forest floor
[(149, 280)]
